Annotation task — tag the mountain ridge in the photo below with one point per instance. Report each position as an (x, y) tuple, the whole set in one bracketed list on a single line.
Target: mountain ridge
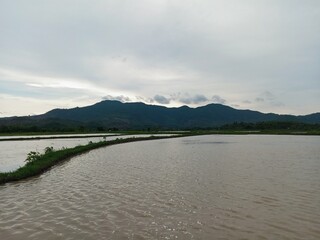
[(138, 115)]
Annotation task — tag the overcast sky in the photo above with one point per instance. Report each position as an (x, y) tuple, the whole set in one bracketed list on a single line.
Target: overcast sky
[(249, 54)]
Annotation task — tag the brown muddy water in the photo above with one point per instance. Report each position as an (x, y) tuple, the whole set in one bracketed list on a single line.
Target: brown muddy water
[(204, 187), (14, 153)]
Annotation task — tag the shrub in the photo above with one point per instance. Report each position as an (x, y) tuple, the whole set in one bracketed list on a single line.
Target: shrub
[(48, 150), (32, 156)]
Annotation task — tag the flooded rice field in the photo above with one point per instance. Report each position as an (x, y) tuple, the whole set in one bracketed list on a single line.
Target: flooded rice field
[(56, 136), (204, 187), (14, 153)]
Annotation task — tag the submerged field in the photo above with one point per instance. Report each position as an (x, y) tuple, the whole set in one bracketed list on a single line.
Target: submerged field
[(232, 187), (38, 162)]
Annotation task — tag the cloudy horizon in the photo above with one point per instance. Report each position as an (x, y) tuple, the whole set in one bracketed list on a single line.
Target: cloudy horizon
[(251, 54)]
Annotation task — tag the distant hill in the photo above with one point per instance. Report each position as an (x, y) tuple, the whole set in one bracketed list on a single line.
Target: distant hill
[(114, 114)]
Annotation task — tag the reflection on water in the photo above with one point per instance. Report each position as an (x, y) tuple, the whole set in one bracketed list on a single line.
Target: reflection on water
[(56, 136), (14, 153), (256, 187), (204, 142)]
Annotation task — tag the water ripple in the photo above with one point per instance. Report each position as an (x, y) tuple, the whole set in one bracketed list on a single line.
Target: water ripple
[(168, 189)]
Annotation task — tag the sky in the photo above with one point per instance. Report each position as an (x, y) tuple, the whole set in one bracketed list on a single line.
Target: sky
[(262, 55)]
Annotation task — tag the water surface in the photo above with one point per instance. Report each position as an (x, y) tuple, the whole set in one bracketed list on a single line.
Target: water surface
[(56, 136), (205, 187), (14, 153)]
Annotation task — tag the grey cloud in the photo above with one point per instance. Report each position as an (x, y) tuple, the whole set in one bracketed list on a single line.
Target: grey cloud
[(196, 99), (179, 36), (269, 98), (117, 46), (199, 99), (144, 99), (278, 104), (120, 98), (265, 96), (187, 98), (161, 99), (182, 98), (218, 99), (268, 95), (259, 99)]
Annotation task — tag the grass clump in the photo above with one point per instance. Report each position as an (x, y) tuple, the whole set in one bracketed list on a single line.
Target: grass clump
[(33, 156)]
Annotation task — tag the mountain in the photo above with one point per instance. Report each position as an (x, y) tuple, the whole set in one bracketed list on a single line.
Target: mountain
[(115, 114)]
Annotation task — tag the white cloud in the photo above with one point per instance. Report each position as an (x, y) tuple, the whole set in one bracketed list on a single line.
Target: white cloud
[(24, 106)]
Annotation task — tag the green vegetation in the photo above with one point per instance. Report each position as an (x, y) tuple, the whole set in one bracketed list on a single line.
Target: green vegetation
[(38, 163), (272, 128), (33, 156)]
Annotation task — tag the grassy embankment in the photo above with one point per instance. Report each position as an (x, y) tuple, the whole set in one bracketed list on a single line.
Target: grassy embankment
[(47, 160)]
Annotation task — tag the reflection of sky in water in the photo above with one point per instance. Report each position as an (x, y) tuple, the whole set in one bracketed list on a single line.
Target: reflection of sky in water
[(204, 142), (13, 153), (58, 135)]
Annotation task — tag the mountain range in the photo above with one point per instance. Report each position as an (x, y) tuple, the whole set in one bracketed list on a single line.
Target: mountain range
[(114, 114)]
